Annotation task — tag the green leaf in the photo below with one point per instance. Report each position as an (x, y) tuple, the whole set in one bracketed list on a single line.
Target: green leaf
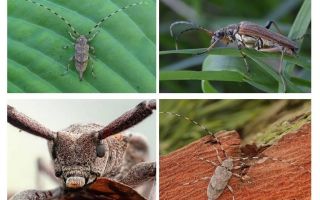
[(229, 63), (207, 87), (124, 59), (299, 60), (299, 29), (302, 21), (199, 75), (261, 78)]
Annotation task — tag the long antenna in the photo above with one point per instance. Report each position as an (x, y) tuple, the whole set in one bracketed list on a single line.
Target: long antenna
[(193, 28), (205, 129), (113, 13), (58, 15)]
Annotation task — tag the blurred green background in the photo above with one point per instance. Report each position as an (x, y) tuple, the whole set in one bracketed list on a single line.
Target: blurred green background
[(214, 14), (259, 121)]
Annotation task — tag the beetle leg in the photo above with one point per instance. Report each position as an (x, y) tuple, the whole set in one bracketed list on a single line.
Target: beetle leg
[(94, 35), (140, 173), (68, 66), (269, 23), (283, 51), (91, 65), (281, 70), (67, 46), (72, 36), (231, 190), (136, 152), (92, 50), (273, 49), (208, 49), (92, 72), (240, 45)]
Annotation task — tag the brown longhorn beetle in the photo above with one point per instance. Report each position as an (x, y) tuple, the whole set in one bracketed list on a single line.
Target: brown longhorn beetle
[(246, 35), (81, 42), (82, 154)]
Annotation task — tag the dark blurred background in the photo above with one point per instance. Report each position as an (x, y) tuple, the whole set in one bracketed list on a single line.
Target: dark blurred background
[(214, 14)]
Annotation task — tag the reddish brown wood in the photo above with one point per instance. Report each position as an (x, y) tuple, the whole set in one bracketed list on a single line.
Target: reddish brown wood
[(104, 189), (269, 179)]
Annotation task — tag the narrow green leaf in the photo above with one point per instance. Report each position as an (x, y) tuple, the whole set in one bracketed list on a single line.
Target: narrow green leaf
[(299, 60), (298, 30), (302, 21), (207, 87), (199, 75)]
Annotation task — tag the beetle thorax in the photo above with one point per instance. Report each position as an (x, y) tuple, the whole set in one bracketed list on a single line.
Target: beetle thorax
[(82, 40), (227, 34)]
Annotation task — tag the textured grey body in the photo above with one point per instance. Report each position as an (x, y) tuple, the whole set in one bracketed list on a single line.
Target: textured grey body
[(76, 154), (220, 179), (81, 56)]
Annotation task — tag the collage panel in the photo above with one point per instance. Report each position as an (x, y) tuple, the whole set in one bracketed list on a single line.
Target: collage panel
[(81, 149), (104, 100), (235, 46), (235, 149), (82, 46)]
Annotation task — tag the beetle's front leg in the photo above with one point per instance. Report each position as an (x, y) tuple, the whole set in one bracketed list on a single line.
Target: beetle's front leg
[(68, 46), (241, 45), (74, 37), (140, 173), (37, 195), (93, 36), (68, 66)]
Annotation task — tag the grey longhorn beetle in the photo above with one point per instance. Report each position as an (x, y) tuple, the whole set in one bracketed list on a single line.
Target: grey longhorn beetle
[(81, 42), (223, 171), (246, 35), (82, 153)]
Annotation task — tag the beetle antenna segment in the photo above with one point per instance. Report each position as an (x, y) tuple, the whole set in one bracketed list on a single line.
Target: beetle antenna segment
[(113, 13), (205, 129), (55, 13), (25, 123), (192, 28), (128, 119)]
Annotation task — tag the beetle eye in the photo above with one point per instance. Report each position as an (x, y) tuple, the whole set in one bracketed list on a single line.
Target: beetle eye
[(58, 173), (101, 150), (219, 34)]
